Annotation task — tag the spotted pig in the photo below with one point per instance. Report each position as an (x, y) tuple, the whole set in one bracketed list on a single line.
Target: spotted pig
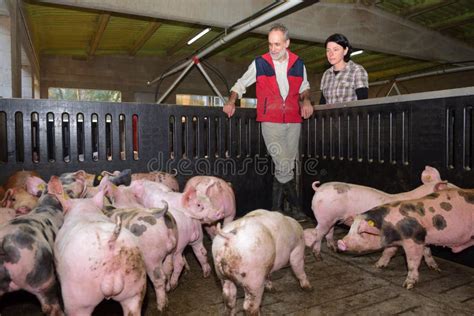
[(340, 202), (156, 232), (150, 194), (26, 253), (443, 218)]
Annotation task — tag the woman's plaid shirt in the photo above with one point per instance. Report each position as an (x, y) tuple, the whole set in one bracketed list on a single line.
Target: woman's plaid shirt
[(341, 87)]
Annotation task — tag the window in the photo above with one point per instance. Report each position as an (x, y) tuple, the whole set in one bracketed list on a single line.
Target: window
[(208, 100), (84, 95)]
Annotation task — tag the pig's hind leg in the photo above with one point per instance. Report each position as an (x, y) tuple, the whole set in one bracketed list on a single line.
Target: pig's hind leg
[(201, 255), (414, 253), (132, 306), (49, 300), (158, 278), (330, 239), (178, 265), (253, 296), (297, 265), (323, 229), (429, 260), (229, 292)]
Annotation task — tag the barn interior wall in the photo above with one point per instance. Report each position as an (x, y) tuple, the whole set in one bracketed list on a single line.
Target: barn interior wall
[(129, 75)]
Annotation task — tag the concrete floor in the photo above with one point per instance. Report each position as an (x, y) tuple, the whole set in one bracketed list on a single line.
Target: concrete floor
[(343, 285)]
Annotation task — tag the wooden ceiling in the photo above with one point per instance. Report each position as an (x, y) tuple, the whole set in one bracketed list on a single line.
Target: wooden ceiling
[(61, 30)]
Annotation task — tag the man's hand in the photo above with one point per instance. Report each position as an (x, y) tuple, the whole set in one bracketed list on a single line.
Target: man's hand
[(306, 108), (229, 109)]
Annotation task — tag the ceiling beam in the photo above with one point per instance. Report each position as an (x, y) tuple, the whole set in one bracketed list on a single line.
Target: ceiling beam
[(395, 72), (254, 48), (453, 22), (424, 7), (367, 27), (148, 32), (382, 60), (102, 22), (181, 43), (392, 65)]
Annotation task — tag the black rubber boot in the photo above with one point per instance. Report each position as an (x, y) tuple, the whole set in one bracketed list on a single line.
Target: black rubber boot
[(277, 196), (294, 201)]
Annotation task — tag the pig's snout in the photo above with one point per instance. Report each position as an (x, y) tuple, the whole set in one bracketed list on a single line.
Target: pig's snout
[(341, 245)]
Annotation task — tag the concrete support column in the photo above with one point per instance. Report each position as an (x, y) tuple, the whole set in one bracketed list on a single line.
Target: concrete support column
[(27, 82), (5, 57), (15, 40)]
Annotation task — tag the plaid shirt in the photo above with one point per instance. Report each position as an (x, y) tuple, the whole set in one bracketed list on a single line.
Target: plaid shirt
[(341, 87)]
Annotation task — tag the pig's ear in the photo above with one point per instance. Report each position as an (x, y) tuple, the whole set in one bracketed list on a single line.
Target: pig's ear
[(442, 185), (430, 175), (368, 226), (188, 195), (56, 188), (315, 185), (35, 186), (7, 202), (81, 175)]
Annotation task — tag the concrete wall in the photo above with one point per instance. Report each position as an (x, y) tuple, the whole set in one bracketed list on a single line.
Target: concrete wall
[(129, 75)]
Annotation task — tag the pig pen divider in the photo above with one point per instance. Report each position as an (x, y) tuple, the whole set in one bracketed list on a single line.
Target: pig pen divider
[(386, 143), (383, 143)]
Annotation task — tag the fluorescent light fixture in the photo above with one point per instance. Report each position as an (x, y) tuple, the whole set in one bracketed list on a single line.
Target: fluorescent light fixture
[(201, 34), (357, 52)]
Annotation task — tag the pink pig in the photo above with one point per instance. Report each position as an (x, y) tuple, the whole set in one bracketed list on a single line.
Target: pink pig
[(340, 202), (221, 196), (95, 258), (158, 176), (444, 218), (248, 250)]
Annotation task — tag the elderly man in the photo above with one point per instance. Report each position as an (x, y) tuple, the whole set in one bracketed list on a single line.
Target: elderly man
[(282, 85)]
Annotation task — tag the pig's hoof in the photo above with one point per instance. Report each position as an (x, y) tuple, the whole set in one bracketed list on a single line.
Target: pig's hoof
[(332, 246), (173, 286), (381, 265), (206, 273), (409, 284), (307, 287), (317, 256), (269, 286), (434, 267)]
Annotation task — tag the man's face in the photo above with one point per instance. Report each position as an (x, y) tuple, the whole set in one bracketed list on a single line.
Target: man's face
[(277, 45)]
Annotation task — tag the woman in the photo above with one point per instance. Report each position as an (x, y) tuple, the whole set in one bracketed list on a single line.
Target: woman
[(345, 81)]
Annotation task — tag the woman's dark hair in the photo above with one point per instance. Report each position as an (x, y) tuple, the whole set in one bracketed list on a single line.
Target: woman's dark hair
[(340, 40)]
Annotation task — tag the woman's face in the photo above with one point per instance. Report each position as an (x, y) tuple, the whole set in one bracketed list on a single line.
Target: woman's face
[(335, 54)]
